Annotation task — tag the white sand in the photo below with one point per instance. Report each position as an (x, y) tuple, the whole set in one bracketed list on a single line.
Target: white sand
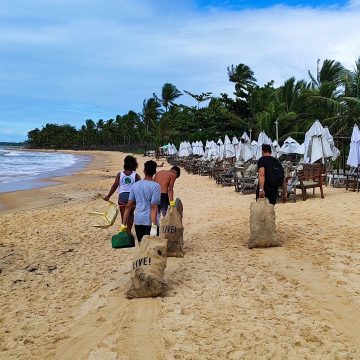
[(62, 285)]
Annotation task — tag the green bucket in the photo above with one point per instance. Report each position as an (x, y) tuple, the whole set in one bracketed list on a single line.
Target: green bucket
[(122, 240)]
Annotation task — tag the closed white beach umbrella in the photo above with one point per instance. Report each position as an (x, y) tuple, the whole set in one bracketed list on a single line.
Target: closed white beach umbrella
[(291, 146), (254, 147), (221, 149), (245, 148), (354, 153), (173, 149), (229, 151), (188, 148), (207, 148), (236, 144), (214, 150), (197, 147), (181, 149), (335, 151), (245, 137), (193, 148), (184, 149), (317, 147), (302, 148), (201, 148), (262, 139), (276, 148)]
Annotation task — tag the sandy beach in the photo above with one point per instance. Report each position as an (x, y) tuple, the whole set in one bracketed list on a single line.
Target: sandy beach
[(63, 286)]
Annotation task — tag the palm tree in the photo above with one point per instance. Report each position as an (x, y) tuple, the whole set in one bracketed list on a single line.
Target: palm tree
[(90, 131), (324, 91), (331, 72), (243, 77), (169, 93), (349, 101), (99, 128), (151, 112)]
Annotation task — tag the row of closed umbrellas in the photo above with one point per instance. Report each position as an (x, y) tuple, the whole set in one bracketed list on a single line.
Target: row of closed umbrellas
[(318, 145)]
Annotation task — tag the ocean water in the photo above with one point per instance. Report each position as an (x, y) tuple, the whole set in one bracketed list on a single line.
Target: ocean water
[(20, 170)]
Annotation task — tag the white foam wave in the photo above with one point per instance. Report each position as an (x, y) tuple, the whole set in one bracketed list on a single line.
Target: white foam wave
[(18, 165)]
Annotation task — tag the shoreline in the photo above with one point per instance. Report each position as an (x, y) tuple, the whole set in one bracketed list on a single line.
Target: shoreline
[(27, 198), (46, 178)]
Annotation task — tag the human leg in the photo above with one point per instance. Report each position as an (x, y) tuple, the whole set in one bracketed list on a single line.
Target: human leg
[(164, 203), (272, 195), (142, 230), (122, 201)]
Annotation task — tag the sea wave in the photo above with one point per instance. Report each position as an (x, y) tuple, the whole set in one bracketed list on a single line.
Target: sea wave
[(18, 165)]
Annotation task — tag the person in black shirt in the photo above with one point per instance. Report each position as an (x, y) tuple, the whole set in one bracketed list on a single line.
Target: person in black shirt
[(266, 188)]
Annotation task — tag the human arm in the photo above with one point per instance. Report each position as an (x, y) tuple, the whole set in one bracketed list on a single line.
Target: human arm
[(154, 214), (155, 202), (261, 172), (128, 208), (113, 187), (137, 177), (171, 188)]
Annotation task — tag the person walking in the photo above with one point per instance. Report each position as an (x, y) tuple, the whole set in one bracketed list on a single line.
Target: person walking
[(166, 180), (271, 177), (123, 183), (145, 195)]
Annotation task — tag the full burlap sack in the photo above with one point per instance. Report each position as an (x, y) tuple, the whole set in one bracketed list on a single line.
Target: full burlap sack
[(148, 268), (172, 229), (179, 206), (262, 225)]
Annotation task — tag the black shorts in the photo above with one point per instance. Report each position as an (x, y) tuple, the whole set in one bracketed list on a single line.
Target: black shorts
[(271, 194), (142, 230), (164, 203)]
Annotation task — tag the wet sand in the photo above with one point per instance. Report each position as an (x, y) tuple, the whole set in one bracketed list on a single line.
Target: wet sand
[(63, 285)]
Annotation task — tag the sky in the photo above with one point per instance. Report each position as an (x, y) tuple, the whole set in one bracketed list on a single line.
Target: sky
[(65, 61)]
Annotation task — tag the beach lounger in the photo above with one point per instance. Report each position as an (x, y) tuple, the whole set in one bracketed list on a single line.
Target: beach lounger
[(244, 179), (108, 217)]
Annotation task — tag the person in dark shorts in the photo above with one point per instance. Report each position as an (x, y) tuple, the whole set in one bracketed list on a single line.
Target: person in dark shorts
[(166, 180), (145, 195), (266, 188), (123, 182)]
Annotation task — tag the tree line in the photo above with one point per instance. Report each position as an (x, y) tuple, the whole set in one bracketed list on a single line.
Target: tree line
[(332, 95)]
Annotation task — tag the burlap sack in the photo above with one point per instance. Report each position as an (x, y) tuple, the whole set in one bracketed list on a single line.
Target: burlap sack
[(172, 229), (148, 268), (262, 225), (179, 206)]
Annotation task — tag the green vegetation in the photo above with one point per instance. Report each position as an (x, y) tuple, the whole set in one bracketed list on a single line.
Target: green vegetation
[(332, 96)]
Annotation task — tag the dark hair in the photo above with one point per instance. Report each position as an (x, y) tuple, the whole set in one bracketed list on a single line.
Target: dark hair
[(150, 168), (177, 169), (266, 148), (130, 163)]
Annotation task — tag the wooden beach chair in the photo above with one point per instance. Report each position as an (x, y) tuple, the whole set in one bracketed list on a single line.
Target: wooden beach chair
[(310, 178), (352, 179), (107, 217)]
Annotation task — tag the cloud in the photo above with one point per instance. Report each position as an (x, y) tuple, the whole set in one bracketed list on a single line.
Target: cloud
[(354, 4), (59, 54)]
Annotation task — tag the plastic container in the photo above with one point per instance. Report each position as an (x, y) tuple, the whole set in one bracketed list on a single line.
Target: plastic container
[(122, 240)]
